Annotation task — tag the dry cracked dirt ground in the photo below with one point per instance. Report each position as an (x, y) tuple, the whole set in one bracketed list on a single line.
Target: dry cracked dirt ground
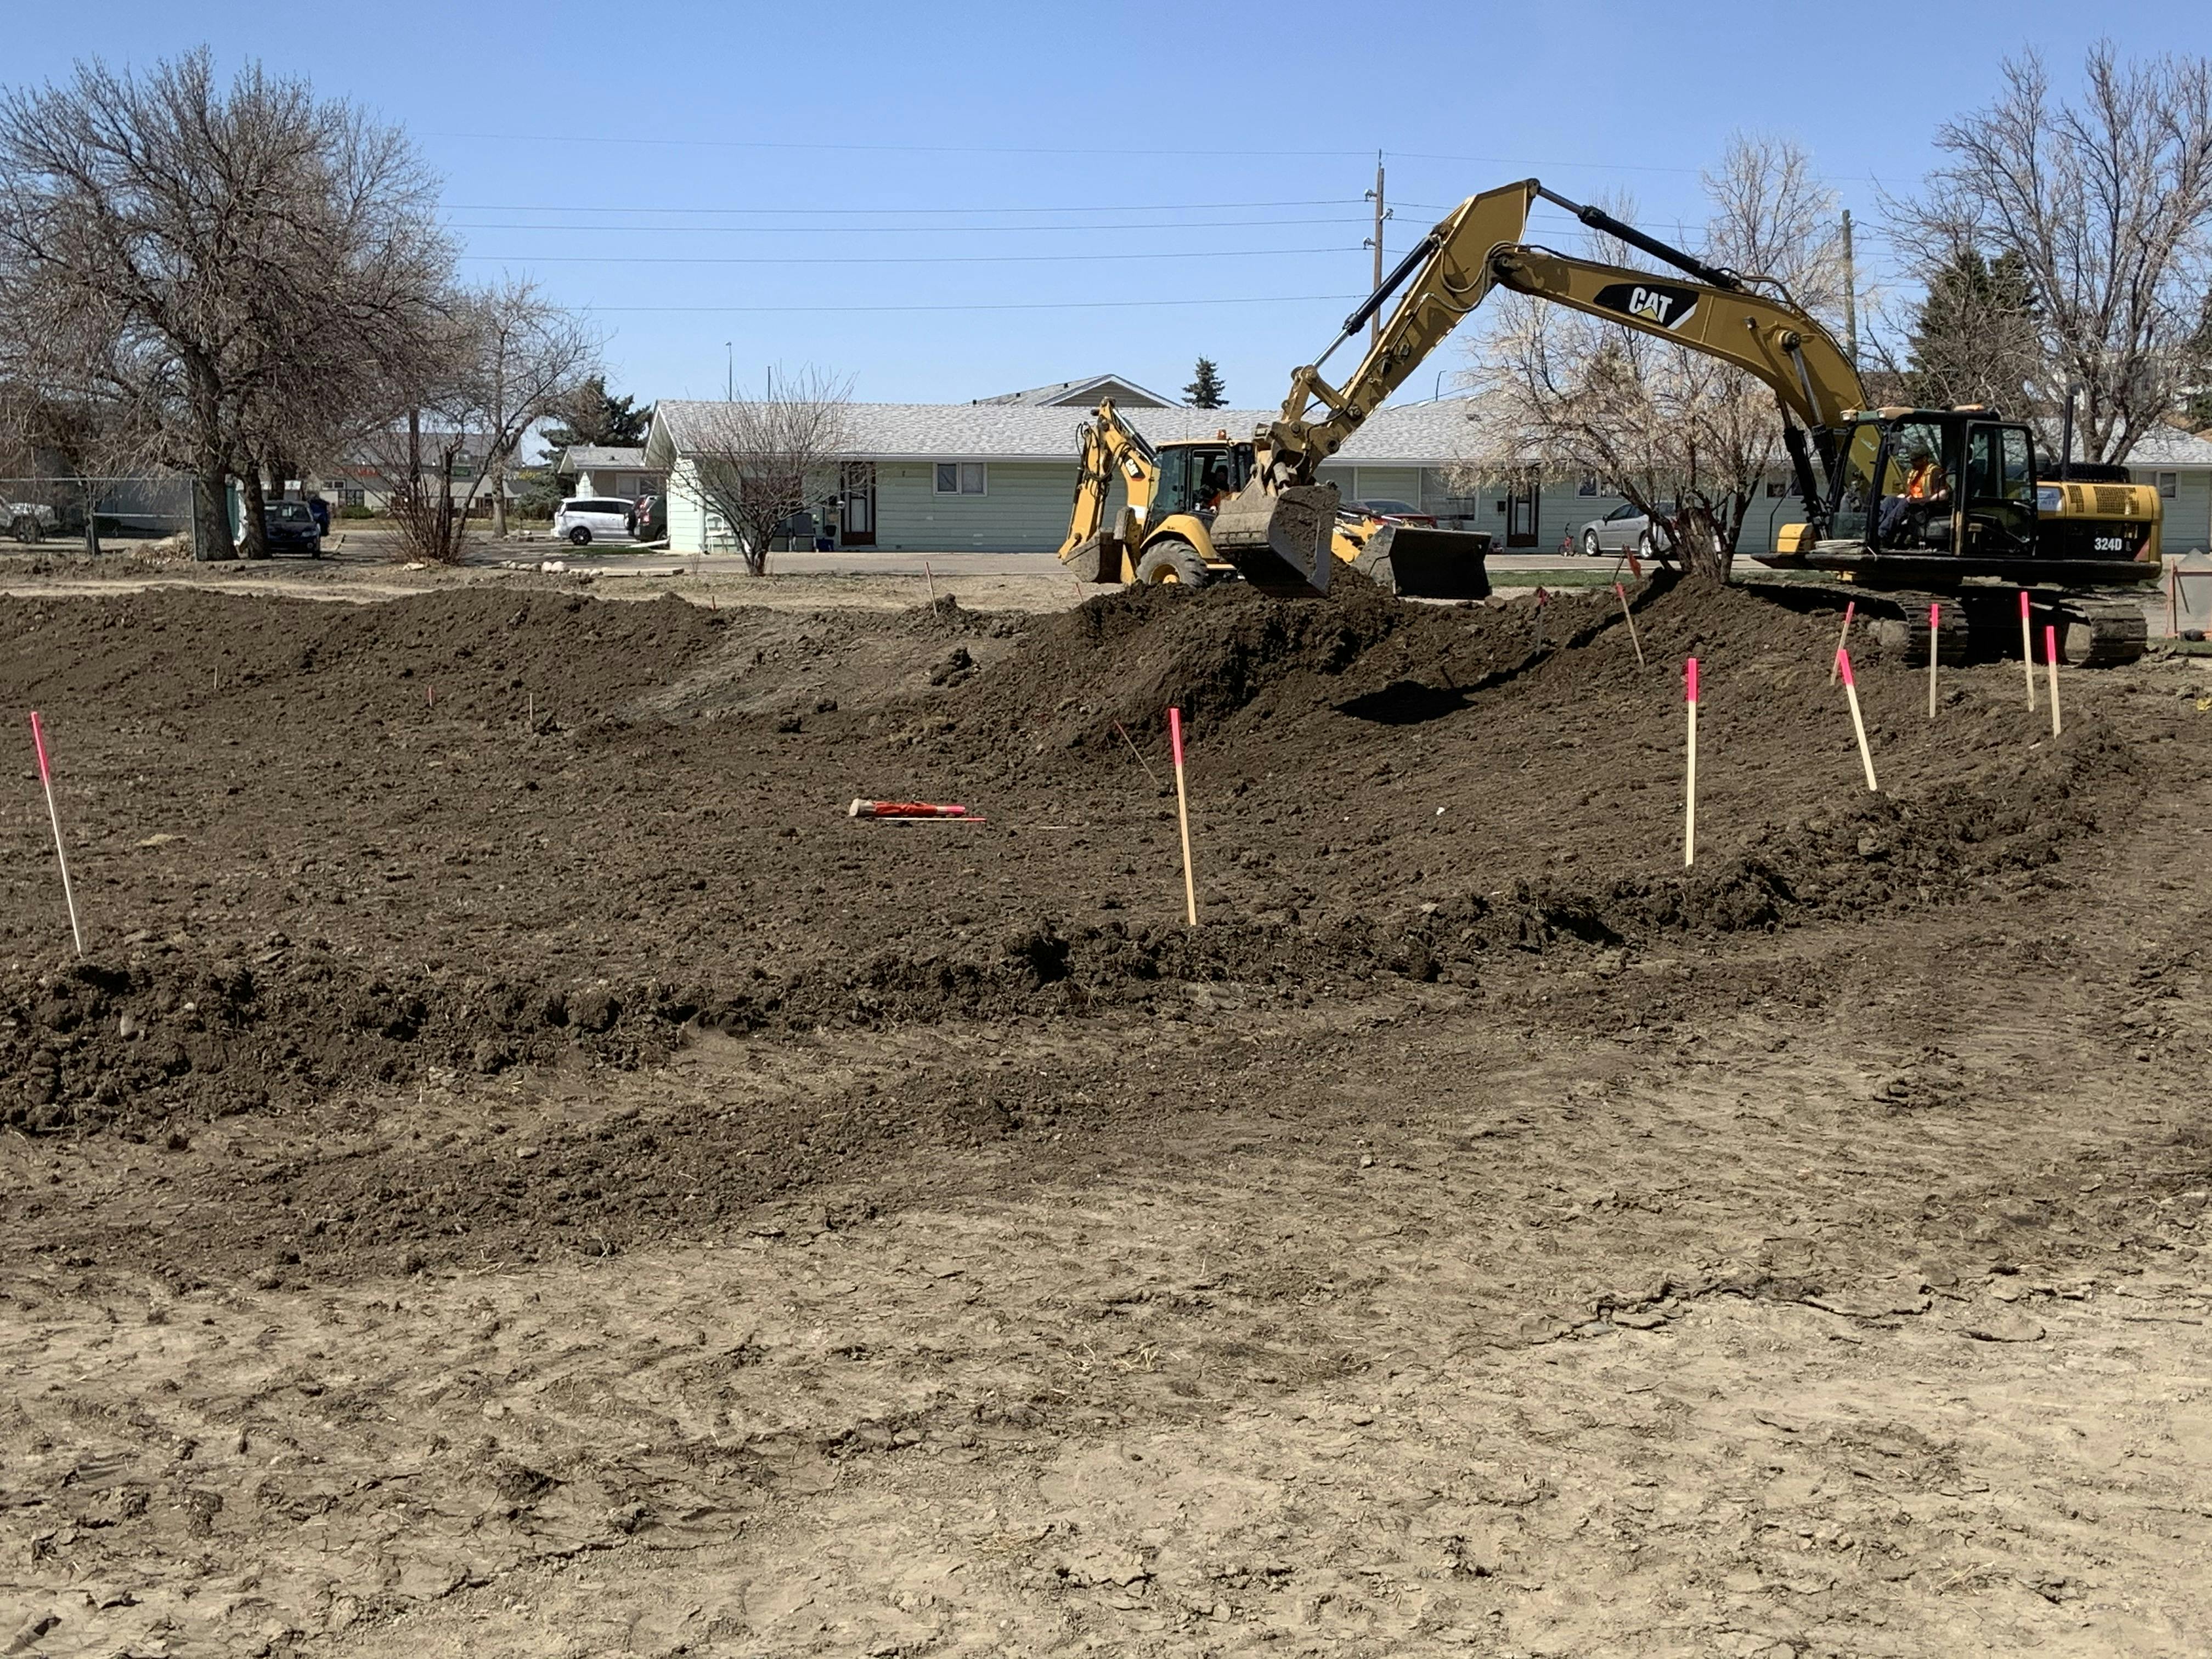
[(518, 1173)]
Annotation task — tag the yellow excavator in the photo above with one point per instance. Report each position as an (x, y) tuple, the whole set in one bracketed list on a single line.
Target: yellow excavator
[(1996, 525), (1165, 534)]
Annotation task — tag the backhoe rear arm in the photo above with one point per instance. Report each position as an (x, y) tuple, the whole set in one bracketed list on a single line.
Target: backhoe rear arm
[(1110, 445)]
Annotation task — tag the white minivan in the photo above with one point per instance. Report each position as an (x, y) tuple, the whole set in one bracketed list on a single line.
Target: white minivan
[(584, 517)]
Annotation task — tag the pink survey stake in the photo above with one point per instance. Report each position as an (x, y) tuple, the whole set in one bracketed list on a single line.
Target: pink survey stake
[(38, 741), (1175, 733), (1690, 678), (1844, 660)]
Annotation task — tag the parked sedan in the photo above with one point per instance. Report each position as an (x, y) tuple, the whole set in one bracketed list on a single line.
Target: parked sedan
[(1626, 530), (292, 528), (584, 518)]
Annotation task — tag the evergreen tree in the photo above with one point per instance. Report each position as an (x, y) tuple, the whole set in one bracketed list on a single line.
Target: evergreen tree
[(1206, 391), (594, 417), (1973, 337)]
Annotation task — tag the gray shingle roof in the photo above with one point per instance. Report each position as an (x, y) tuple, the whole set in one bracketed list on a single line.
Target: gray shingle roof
[(1061, 393), (1421, 434), (2170, 447), (578, 458)]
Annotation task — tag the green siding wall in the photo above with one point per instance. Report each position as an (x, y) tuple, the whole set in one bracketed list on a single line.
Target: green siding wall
[(1024, 510), (1394, 483), (2188, 523)]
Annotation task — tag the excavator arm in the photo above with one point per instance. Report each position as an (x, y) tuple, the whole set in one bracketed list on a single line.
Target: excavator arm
[(1477, 247), (1110, 445)]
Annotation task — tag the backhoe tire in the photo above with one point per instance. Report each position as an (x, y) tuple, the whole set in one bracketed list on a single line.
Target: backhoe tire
[(1172, 563)]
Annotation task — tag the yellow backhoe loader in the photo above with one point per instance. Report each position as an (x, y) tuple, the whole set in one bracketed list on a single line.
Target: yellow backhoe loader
[(1996, 524), (1164, 533)]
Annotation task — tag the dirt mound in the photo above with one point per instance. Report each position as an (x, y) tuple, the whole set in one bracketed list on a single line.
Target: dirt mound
[(164, 1033), (1122, 658), (1378, 789), (479, 650)]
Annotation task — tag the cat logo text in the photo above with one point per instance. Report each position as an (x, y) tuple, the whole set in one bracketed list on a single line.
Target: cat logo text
[(1662, 304)]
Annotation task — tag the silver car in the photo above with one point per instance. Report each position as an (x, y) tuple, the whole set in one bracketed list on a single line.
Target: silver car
[(1626, 530), (583, 519)]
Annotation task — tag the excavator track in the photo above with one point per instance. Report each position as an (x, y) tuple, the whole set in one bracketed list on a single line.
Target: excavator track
[(2095, 631)]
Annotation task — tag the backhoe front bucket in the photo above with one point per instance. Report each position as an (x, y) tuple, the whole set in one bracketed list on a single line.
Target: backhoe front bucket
[(1418, 564), (1278, 540)]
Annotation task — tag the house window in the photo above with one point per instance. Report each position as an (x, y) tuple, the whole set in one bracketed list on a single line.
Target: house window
[(350, 497), (1587, 486), (1776, 489), (961, 478), (2169, 484)]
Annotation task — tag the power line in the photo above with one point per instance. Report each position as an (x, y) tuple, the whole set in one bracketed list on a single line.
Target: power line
[(873, 150), (910, 230), (1041, 305), (891, 259), (1588, 167), (1125, 207)]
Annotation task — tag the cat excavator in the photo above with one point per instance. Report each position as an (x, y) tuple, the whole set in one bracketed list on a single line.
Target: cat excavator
[(1163, 535), (1982, 523)]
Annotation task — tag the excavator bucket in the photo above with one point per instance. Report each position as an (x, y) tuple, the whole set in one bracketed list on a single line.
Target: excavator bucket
[(1416, 563), (1278, 540)]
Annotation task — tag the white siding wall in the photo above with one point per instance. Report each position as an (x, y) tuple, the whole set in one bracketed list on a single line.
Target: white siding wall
[(687, 514)]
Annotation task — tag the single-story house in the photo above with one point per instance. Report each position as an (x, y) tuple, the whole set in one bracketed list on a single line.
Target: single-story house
[(364, 477), (602, 469), (999, 476)]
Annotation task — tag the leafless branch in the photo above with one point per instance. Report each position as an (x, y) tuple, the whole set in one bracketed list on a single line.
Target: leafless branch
[(2105, 201), (770, 458)]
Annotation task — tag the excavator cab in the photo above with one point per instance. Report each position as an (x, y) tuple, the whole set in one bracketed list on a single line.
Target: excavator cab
[(1934, 495)]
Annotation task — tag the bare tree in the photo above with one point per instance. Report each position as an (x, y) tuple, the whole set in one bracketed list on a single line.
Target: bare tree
[(237, 269), (1561, 394), (2105, 204), (506, 358), (69, 437), (768, 457)]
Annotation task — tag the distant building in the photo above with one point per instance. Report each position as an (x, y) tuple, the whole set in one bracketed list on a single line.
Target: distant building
[(598, 470), (998, 474)]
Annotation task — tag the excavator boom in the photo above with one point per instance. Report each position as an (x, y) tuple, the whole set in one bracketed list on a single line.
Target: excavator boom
[(1478, 247)]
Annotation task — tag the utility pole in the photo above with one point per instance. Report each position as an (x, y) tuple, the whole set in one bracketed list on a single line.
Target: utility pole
[(1375, 323), (1850, 297), (729, 372)]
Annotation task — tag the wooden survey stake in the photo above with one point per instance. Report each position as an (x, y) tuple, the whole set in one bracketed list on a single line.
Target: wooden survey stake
[(1858, 725), (1690, 774), (1182, 817), (1844, 638)]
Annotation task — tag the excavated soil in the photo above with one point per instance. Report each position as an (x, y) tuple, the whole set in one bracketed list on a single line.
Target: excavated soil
[(1097, 1283)]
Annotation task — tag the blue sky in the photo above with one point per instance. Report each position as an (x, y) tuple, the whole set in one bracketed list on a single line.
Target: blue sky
[(942, 203)]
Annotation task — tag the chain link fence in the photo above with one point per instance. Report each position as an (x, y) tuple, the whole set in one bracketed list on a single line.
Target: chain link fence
[(123, 513)]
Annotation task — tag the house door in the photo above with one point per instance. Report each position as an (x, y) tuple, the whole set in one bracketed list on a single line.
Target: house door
[(858, 486), (1522, 506)]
